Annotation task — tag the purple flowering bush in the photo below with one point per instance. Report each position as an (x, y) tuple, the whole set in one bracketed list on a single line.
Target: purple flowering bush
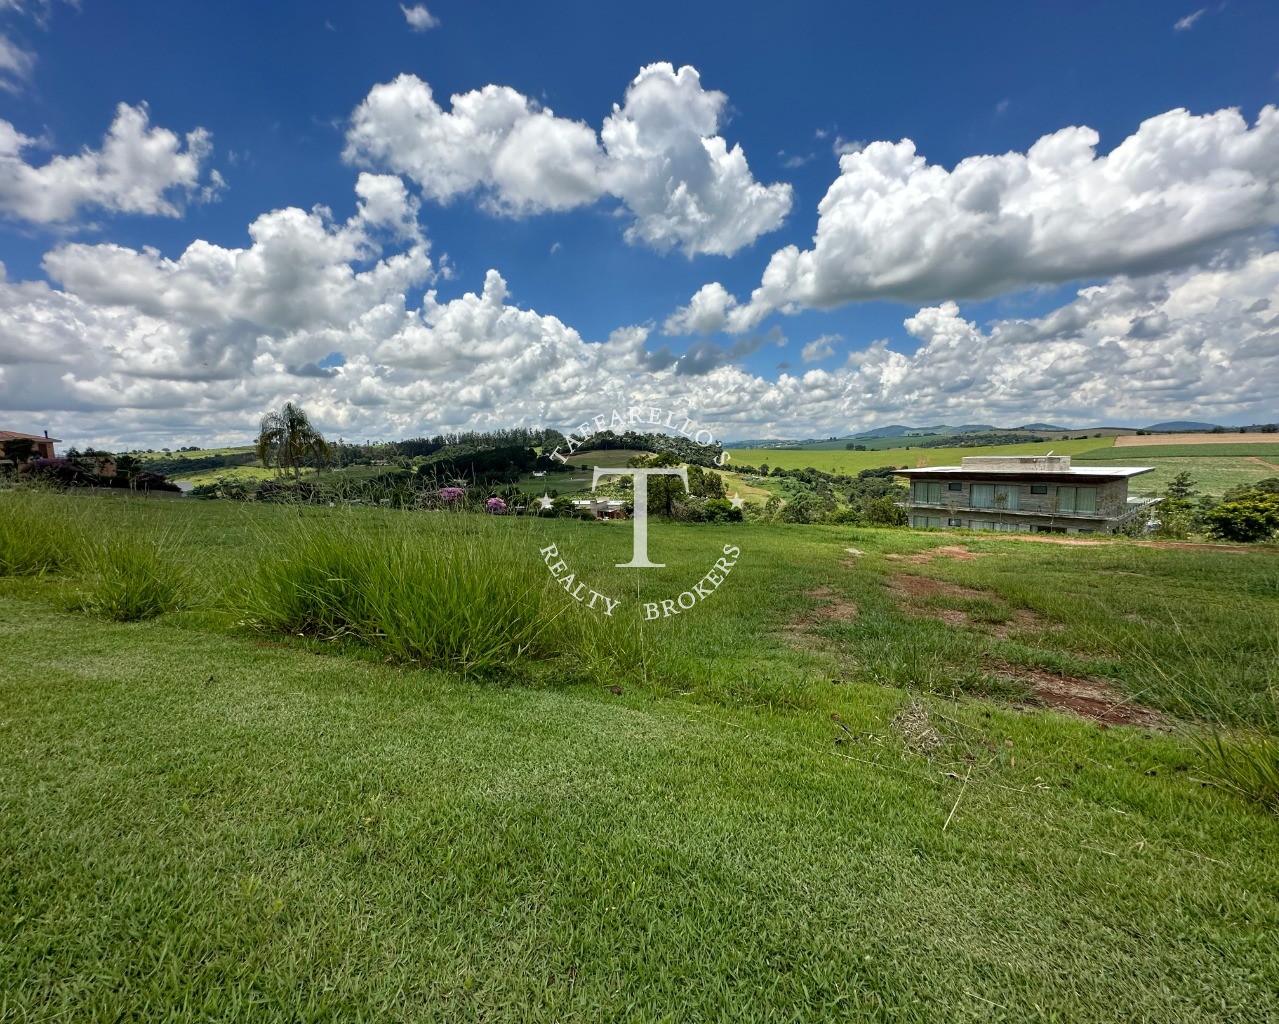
[(452, 495), (495, 507)]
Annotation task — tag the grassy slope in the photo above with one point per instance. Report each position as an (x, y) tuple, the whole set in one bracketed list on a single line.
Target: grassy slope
[(1211, 476), (253, 829), (853, 462)]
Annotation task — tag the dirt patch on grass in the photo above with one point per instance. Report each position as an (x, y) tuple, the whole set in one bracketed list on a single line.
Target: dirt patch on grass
[(956, 551), (913, 592), (1093, 699), (909, 588), (831, 607)]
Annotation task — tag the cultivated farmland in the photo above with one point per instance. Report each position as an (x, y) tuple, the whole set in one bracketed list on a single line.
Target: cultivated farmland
[(1144, 440)]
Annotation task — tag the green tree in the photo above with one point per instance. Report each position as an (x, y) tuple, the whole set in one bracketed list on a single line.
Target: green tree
[(800, 509), (1180, 488), (705, 483), (663, 491), (287, 439)]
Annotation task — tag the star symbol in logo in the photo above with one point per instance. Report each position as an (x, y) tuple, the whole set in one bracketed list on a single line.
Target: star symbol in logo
[(735, 501), (545, 501)]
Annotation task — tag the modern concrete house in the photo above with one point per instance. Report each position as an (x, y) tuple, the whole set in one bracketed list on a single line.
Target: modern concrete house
[(1036, 494)]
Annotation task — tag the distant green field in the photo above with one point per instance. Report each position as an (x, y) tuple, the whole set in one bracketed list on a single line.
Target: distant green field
[(1211, 476), (200, 453), (842, 461), (876, 444), (873, 444), (1142, 452)]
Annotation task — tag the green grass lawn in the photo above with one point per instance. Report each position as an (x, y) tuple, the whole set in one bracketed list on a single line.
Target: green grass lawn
[(199, 822), (841, 461)]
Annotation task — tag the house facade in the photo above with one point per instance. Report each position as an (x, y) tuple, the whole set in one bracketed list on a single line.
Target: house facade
[(1035, 494), (39, 447), (601, 508)]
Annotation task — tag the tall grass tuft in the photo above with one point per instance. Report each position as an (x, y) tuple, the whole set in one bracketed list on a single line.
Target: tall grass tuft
[(1233, 722), (433, 589), (40, 532), (129, 578), (1246, 764)]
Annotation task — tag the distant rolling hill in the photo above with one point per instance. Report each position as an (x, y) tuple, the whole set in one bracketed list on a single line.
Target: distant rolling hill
[(901, 430), (1180, 426)]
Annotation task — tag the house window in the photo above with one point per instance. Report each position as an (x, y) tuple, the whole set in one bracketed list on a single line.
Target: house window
[(1038, 488), (994, 496), (928, 492), (1077, 499), (925, 521), (955, 485), (954, 522)]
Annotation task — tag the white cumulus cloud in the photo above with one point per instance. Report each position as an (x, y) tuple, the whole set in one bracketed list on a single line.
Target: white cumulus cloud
[(125, 346), (659, 153), (894, 226), (138, 169)]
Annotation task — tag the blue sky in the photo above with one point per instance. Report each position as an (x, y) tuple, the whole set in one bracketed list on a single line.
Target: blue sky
[(276, 89)]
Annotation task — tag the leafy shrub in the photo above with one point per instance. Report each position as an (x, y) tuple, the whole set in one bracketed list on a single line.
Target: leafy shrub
[(884, 512), (846, 516), (720, 510), (223, 487), (1250, 518), (299, 491), (56, 472), (495, 507), (803, 508)]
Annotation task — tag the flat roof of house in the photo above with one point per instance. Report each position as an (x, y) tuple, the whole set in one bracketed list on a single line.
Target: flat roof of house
[(1038, 474)]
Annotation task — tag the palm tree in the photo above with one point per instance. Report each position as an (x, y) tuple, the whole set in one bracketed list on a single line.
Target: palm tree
[(287, 438)]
